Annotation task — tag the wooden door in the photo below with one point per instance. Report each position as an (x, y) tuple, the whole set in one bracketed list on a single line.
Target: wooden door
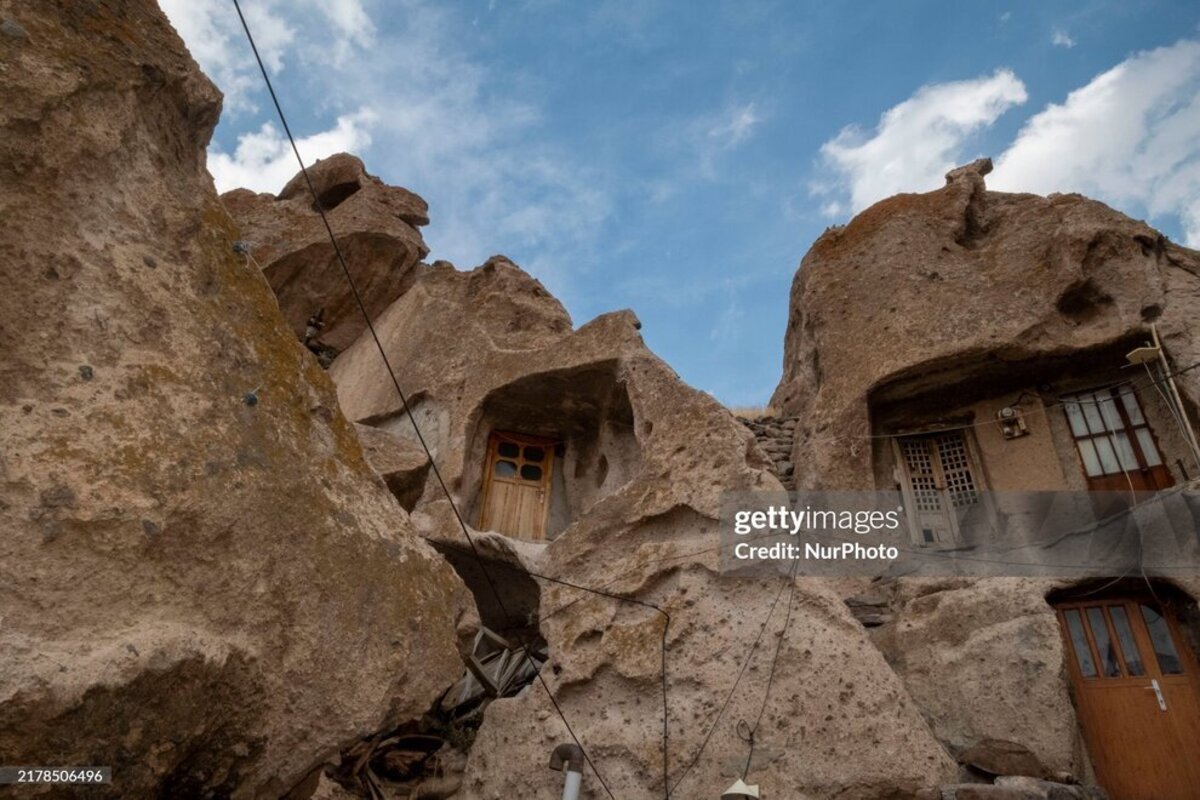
[(516, 492), (939, 481), (1135, 687)]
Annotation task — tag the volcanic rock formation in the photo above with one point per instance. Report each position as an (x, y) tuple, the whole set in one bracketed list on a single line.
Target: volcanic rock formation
[(645, 460), (376, 227), (936, 300), (202, 583), (953, 289)]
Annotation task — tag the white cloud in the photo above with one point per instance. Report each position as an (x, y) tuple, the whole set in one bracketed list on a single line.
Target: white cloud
[(917, 141), (413, 100), (350, 18), (700, 143), (324, 31), (264, 161), (213, 34), (1131, 137), (1062, 39), (737, 127)]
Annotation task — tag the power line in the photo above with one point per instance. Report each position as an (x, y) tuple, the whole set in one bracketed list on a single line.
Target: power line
[(934, 428), (318, 206), (737, 681), (433, 464), (753, 731)]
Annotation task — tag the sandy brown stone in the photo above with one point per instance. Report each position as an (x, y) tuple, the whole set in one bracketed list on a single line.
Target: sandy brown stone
[(942, 298), (376, 229), (951, 290), (400, 462), (1000, 757), (204, 585), (645, 459)]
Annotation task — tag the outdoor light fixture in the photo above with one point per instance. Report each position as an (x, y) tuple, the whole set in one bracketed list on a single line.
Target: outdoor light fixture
[(1143, 355)]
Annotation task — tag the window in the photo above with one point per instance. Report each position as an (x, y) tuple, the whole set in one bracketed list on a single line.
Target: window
[(1114, 441)]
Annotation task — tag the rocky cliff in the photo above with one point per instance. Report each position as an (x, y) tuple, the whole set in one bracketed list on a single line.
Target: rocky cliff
[(936, 300), (213, 576), (645, 460), (202, 583), (957, 287)]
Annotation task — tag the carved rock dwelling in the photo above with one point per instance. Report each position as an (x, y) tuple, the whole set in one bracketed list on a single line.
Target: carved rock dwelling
[(232, 573)]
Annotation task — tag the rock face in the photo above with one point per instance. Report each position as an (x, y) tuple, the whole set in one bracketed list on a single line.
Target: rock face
[(401, 463), (926, 298), (983, 661), (644, 462), (376, 229), (968, 282), (204, 585)]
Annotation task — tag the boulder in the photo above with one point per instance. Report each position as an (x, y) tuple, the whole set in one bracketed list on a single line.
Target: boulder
[(399, 462), (645, 460), (928, 303), (376, 229), (983, 660), (1001, 757), (205, 586), (1036, 789)]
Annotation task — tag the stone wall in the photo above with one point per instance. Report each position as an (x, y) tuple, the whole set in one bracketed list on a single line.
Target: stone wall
[(776, 437)]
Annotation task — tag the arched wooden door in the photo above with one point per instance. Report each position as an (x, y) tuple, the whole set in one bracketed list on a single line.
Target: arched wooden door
[(1135, 685)]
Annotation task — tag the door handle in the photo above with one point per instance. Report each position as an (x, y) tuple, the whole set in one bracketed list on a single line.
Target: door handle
[(1162, 701)]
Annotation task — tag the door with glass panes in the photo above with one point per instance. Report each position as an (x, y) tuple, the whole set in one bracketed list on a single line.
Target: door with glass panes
[(1135, 688), (516, 485)]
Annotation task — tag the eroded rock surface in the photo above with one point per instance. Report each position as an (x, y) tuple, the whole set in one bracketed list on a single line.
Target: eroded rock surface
[(376, 229), (400, 462), (644, 461), (960, 287), (201, 582), (936, 301)]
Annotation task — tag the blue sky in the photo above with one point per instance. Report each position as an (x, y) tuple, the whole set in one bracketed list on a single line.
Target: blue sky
[(679, 158)]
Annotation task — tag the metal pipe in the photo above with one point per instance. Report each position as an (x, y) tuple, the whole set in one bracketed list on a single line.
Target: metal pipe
[(1189, 435), (571, 785), (568, 758)]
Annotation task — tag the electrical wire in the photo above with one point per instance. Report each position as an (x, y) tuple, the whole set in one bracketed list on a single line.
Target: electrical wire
[(433, 464), (934, 428), (736, 682), (668, 789), (787, 620)]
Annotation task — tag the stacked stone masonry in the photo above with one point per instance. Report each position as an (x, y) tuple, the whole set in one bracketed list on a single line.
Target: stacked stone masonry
[(776, 437)]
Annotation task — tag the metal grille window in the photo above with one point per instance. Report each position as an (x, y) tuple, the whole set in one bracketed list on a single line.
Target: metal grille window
[(938, 466), (956, 466), (1110, 432), (919, 460), (940, 482)]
